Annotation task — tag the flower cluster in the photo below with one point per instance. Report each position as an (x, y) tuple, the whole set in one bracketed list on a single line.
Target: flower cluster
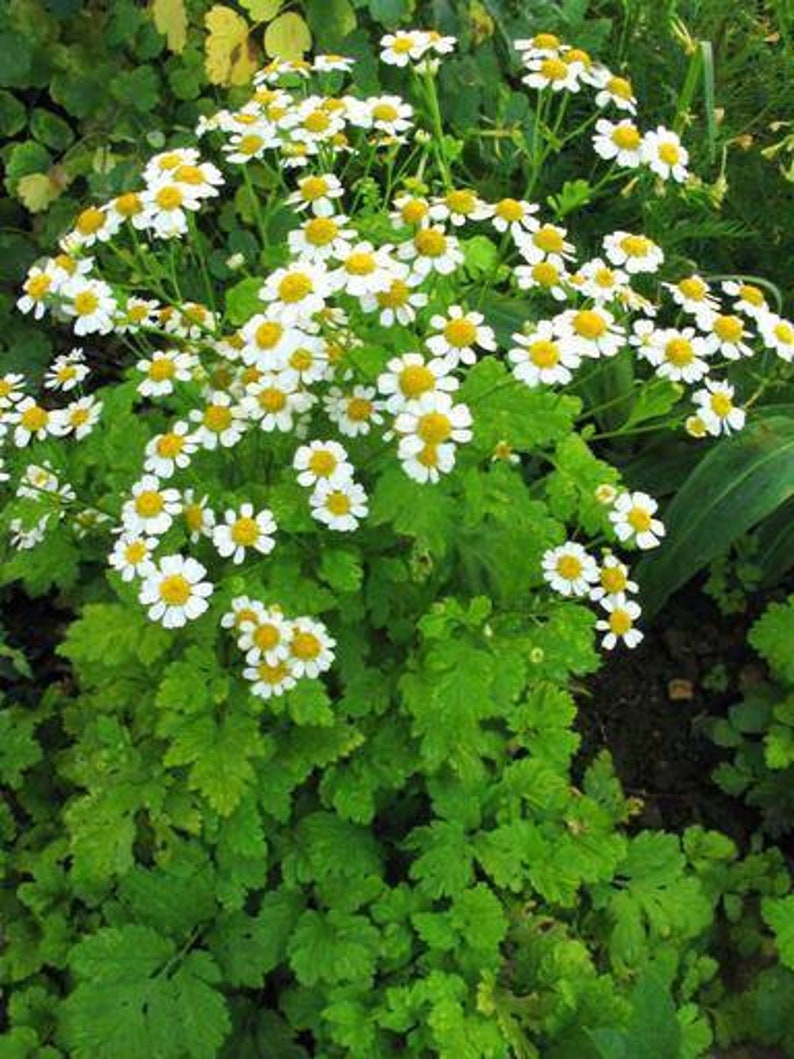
[(358, 336)]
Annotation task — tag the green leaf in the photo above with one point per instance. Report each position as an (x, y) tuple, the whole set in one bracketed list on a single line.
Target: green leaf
[(389, 12), (288, 37), (16, 57), (654, 400), (18, 747), (243, 301), (739, 481), (341, 569), (24, 159), (13, 115), (330, 21), (135, 999), (773, 635), (50, 130), (333, 947), (262, 10), (249, 947), (778, 914)]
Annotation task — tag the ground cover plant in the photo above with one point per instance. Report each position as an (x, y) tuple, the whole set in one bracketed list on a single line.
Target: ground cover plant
[(323, 495)]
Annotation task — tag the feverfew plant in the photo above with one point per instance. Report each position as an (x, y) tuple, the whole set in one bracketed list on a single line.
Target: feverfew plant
[(344, 517)]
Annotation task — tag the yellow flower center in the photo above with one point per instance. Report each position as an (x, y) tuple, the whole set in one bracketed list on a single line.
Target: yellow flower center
[(322, 463), (752, 295), (569, 567), (545, 273), (271, 399), (416, 379), (135, 552), (316, 122), (693, 287), (428, 456), (272, 674), (267, 636), (34, 418), (268, 335), (460, 332), (360, 264), (679, 352), (136, 313), (433, 428), (605, 277), (402, 45), (396, 296), (613, 580), (68, 264), (129, 204), (359, 409), (5, 388), (784, 332), (548, 239), (245, 615), (67, 372), (320, 231), (37, 286), (302, 359), (728, 328), (194, 517), (250, 143), (460, 202), (553, 69), (85, 303), (90, 221), (169, 161), (305, 646), (217, 417), (626, 137), (189, 174), (546, 40), (338, 503), (149, 503), (245, 532), (588, 324), (385, 112), (414, 211), (169, 198), (161, 369), (639, 519), (635, 245), (544, 353), (79, 417), (294, 287), (577, 55), (509, 210), (430, 242), (669, 153), (170, 445), (175, 590), (620, 87), (313, 188), (721, 404), (619, 622)]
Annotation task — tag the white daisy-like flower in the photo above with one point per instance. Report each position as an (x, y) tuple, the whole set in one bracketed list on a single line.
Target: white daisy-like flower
[(409, 376), (340, 504), (268, 342), (175, 591), (634, 253), (726, 334), (387, 114), (245, 613), (431, 427), (596, 280), (320, 238), (200, 179), (132, 555), (546, 243), (363, 271), (321, 461), (137, 313), (432, 250), (410, 211), (296, 293), (219, 422), (693, 294), (126, 208), (246, 146), (552, 72), (265, 636), (589, 332), (317, 193), (270, 681), (716, 410), (620, 142), (749, 299), (310, 649), (11, 390), (90, 303), (36, 290), (613, 580), (190, 320), (166, 453), (66, 371), (460, 206), (619, 624), (93, 225), (398, 303), (398, 49), (606, 494), (80, 417), (38, 479), (459, 334), (162, 370), (664, 154), (198, 517), (617, 91), (777, 334), (242, 531), (30, 420), (150, 509), (678, 355), (540, 357), (23, 538), (353, 413), (275, 400), (326, 64), (545, 275), (160, 165), (569, 569), (633, 520), (166, 207), (310, 360), (514, 216)]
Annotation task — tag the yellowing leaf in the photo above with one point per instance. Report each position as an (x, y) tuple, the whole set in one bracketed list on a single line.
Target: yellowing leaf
[(229, 58), (287, 37), (170, 17), (262, 10), (37, 191)]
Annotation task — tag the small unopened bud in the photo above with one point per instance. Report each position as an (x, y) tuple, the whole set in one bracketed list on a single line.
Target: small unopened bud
[(235, 261)]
